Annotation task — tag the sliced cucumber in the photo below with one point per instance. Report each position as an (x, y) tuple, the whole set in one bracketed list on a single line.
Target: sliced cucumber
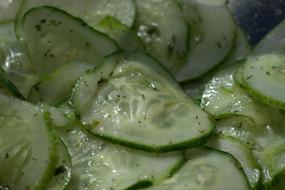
[(28, 153), (239, 52), (62, 172), (266, 142), (131, 100), (18, 66), (273, 42), (243, 154), (55, 38), (212, 34), (206, 170), (100, 165), (263, 77), (57, 86), (90, 11), (163, 30), (9, 9), (125, 36)]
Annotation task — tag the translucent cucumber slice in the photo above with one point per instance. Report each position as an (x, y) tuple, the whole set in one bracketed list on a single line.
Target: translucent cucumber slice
[(273, 42), (240, 51), (6, 31), (131, 100), (123, 35), (163, 30), (62, 172), (212, 34), (57, 86), (18, 66), (90, 11), (100, 165), (206, 170), (55, 38), (244, 156), (28, 153), (263, 77)]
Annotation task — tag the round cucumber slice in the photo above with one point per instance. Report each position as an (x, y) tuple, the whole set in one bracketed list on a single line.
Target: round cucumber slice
[(206, 169), (100, 165), (131, 100), (55, 38), (28, 153), (9, 9), (263, 77)]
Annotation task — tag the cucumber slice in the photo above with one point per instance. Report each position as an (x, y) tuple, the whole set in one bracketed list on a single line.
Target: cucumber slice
[(243, 154), (18, 66), (56, 86), (240, 51), (62, 172), (206, 170), (273, 42), (266, 142), (55, 38), (9, 9), (6, 31), (90, 11), (263, 77), (28, 153), (131, 100), (100, 165), (126, 37), (213, 33), (163, 30)]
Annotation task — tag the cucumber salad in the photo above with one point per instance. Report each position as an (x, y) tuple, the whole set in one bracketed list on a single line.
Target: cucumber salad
[(138, 94)]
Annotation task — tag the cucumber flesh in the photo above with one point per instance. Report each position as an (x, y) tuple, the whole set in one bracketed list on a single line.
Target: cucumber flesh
[(163, 30), (100, 165), (123, 35), (209, 36), (206, 170), (243, 154), (136, 101), (6, 31), (273, 42), (55, 38), (28, 153), (57, 86), (263, 77)]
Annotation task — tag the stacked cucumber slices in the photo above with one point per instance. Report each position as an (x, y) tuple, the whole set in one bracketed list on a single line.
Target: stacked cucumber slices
[(138, 94)]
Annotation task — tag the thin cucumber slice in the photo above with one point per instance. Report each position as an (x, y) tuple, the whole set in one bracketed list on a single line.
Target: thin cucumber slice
[(28, 153), (212, 34), (243, 154), (62, 172), (206, 169), (67, 110), (273, 42), (125, 36), (55, 38), (163, 30), (6, 31), (263, 77), (18, 66), (131, 100), (90, 11), (9, 9), (100, 165), (223, 97), (57, 86), (240, 51), (266, 142)]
